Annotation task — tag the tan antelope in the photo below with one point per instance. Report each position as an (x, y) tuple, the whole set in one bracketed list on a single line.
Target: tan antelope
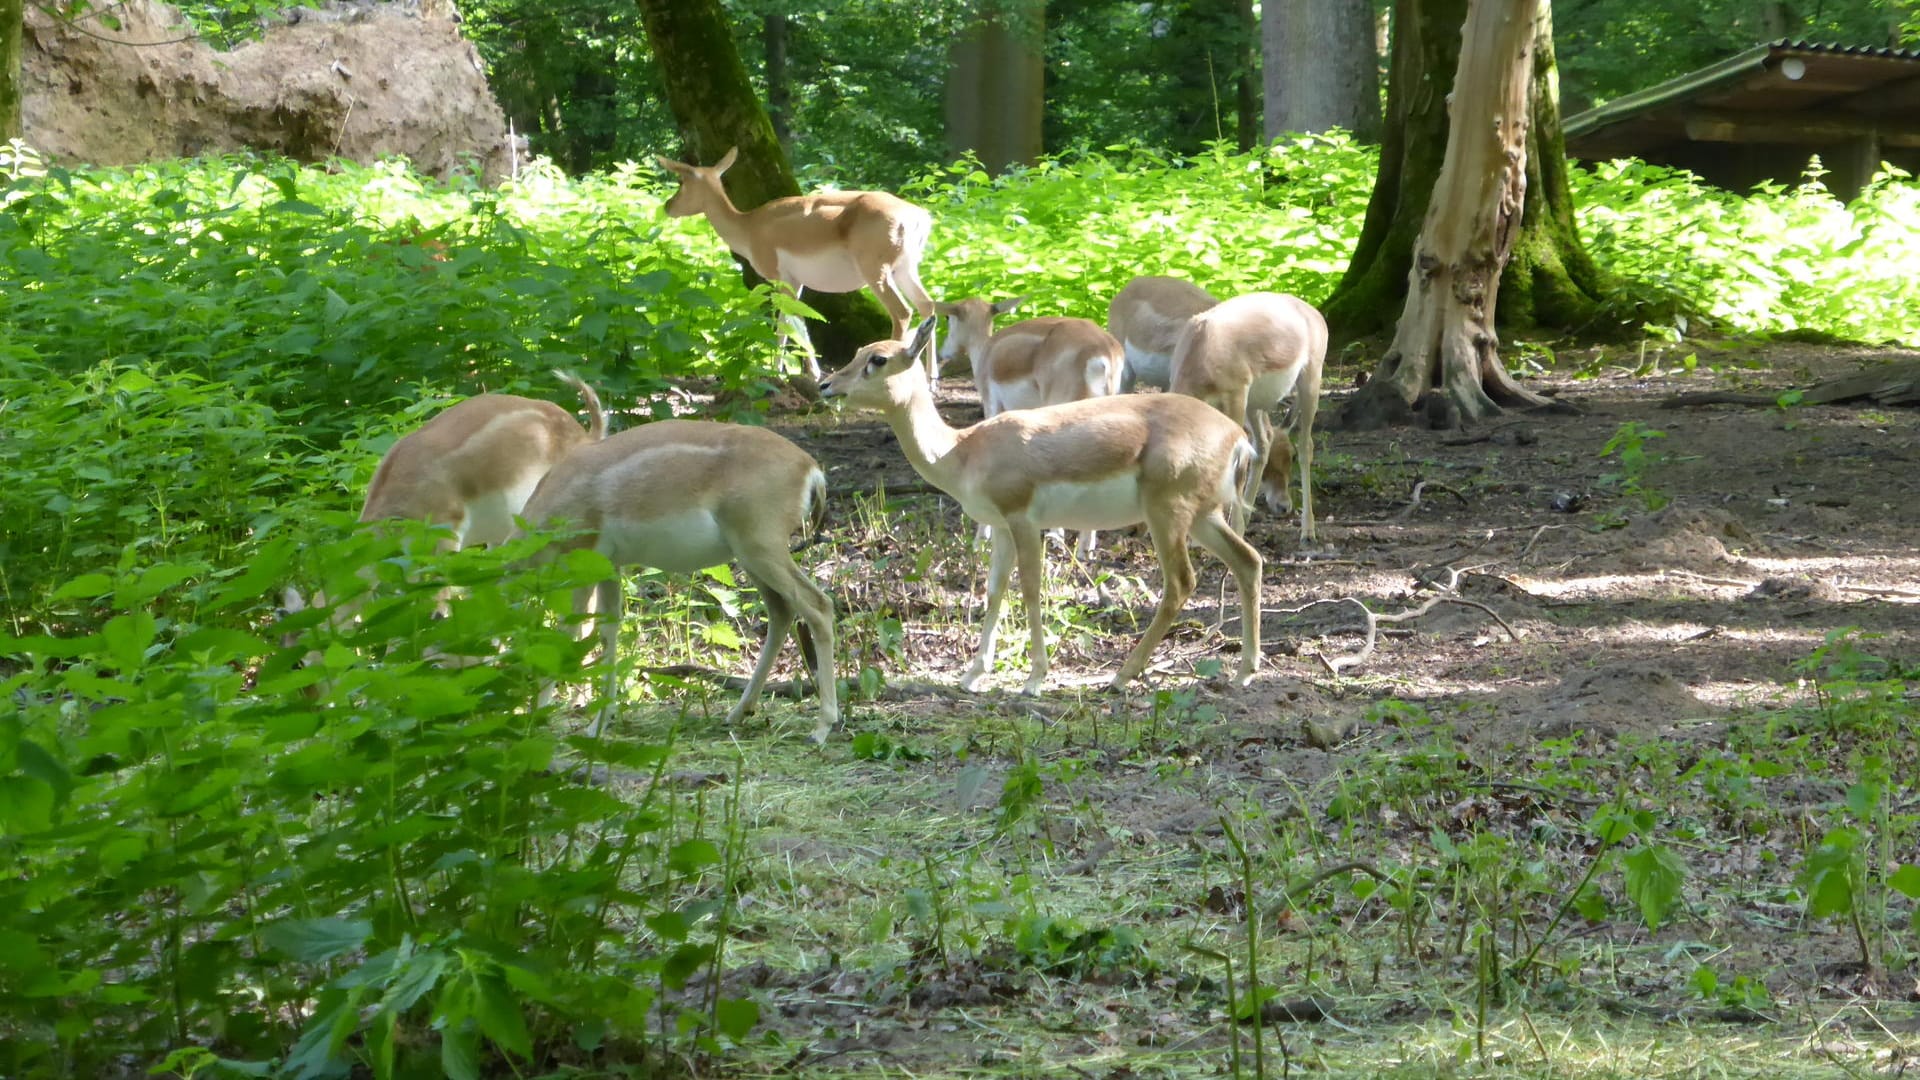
[(1099, 464), (1146, 318), (474, 465), (830, 241), (471, 468), (683, 495), (1035, 362), (1244, 356)]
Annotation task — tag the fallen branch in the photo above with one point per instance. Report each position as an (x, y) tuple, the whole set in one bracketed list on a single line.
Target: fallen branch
[(1336, 664)]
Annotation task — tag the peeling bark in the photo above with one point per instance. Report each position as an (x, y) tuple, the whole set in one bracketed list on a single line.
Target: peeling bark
[(1445, 348)]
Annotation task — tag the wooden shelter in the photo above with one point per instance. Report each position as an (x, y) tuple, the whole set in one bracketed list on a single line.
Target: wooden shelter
[(1762, 114)]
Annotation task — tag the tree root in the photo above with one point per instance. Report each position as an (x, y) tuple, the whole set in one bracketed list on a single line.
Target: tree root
[(1335, 665)]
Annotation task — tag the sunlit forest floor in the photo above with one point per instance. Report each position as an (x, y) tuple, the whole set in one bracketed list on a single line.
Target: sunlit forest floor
[(1710, 644)]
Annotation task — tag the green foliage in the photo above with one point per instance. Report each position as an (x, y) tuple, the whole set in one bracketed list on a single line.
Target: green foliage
[(1629, 444), (370, 859)]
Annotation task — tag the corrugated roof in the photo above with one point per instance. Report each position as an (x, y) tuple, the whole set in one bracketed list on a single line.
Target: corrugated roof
[(1785, 76)]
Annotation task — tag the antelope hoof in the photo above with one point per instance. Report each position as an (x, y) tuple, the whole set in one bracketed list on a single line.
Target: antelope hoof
[(970, 680), (1034, 682)]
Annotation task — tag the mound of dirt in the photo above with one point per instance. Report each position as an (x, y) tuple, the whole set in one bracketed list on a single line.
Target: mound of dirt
[(1681, 538), (358, 81), (1607, 701)]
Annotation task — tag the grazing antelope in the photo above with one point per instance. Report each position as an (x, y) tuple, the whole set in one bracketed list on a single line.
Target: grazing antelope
[(831, 241), (474, 465), (1164, 459), (682, 495), (1146, 318), (1034, 362), (1244, 356), (471, 468)]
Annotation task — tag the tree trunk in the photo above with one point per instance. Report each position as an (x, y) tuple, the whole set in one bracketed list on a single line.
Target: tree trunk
[(996, 83), (1247, 84), (714, 105), (1322, 67), (773, 35), (12, 19), (1445, 348), (1551, 280), (1425, 52)]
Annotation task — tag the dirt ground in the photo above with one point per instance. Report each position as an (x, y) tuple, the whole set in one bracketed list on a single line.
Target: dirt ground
[(1678, 628)]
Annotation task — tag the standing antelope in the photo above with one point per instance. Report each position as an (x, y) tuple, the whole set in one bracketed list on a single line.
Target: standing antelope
[(1168, 460), (1146, 318), (1034, 362), (831, 241), (1244, 356), (683, 495)]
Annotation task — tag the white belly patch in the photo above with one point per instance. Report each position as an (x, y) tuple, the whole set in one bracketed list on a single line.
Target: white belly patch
[(1112, 503), (677, 543), (1268, 390), (826, 271)]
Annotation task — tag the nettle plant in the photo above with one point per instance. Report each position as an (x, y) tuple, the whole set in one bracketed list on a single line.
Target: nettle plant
[(385, 858)]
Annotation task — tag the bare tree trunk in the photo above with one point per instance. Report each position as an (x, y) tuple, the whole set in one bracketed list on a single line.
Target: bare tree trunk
[(1322, 67), (1445, 347), (12, 18), (996, 82), (714, 104)]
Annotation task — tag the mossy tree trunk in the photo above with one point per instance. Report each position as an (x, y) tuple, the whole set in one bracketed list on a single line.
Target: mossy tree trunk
[(12, 19), (714, 104), (1551, 280), (1424, 54), (1445, 349)]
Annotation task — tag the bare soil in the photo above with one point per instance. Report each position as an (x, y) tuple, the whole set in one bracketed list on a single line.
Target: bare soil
[(1655, 629), (129, 82)]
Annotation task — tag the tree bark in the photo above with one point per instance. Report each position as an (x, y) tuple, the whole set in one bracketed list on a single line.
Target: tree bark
[(1551, 280), (1322, 67), (773, 35), (1445, 348), (713, 103), (12, 20), (1422, 60), (996, 87)]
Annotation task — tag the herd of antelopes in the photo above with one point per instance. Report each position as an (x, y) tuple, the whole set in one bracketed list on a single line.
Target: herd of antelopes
[(1063, 445)]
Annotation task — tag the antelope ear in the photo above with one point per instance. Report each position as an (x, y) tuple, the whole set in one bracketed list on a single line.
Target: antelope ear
[(1004, 306), (727, 160), (670, 165)]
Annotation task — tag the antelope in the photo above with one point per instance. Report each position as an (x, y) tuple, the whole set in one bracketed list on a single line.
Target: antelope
[(1244, 356), (682, 495), (1034, 362), (471, 468), (1168, 460), (831, 241), (474, 465), (1146, 318)]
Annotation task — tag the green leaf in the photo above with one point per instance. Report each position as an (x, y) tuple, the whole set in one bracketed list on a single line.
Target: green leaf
[(314, 940), (499, 1016), (689, 856), (736, 1017), (1906, 881), (1654, 876), (126, 638), (460, 1053)]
